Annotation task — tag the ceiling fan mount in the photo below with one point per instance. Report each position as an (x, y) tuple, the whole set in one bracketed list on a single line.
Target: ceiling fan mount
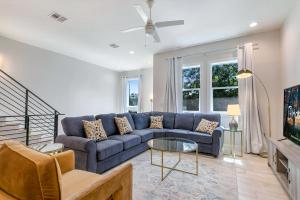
[(150, 27)]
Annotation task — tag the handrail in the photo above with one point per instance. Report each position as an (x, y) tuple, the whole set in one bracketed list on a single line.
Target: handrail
[(29, 115), (27, 89), (23, 112)]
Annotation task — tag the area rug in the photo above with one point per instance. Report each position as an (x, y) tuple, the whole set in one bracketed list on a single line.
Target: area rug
[(216, 179)]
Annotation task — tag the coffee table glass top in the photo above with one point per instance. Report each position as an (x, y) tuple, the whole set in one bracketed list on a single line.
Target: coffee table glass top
[(172, 144)]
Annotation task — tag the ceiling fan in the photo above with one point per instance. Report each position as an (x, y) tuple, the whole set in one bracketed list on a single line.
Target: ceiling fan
[(150, 27)]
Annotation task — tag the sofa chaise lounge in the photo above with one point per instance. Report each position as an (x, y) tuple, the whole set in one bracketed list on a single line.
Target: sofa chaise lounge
[(104, 155)]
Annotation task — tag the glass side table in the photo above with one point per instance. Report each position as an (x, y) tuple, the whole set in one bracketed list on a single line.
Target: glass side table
[(53, 148), (232, 141)]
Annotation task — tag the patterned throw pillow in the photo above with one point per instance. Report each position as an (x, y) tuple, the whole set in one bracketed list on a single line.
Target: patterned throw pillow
[(123, 125), (207, 126), (156, 122), (94, 130)]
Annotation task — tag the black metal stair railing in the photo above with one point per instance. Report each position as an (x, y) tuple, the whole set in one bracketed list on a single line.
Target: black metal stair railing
[(23, 115)]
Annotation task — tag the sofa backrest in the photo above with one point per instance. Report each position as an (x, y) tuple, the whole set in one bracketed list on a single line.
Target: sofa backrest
[(73, 126), (108, 122), (211, 117), (184, 121), (141, 120), (129, 118), (168, 118), (27, 174)]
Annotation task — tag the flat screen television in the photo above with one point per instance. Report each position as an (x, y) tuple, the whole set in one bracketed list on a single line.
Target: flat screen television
[(291, 115)]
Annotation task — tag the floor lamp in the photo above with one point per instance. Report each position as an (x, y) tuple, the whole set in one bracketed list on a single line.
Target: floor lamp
[(246, 73)]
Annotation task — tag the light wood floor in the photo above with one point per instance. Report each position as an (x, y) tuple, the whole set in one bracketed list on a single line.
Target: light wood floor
[(255, 179)]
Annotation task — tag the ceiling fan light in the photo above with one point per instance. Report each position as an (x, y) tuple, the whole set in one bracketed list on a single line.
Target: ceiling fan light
[(244, 73)]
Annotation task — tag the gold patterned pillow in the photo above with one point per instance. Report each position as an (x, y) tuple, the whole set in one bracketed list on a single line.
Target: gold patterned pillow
[(123, 125), (156, 122), (207, 126), (94, 130)]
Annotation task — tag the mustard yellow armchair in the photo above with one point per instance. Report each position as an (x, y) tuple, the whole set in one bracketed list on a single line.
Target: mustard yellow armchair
[(26, 174)]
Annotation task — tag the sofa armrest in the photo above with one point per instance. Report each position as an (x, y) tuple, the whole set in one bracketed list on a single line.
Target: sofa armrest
[(117, 183), (218, 138), (66, 161), (85, 151)]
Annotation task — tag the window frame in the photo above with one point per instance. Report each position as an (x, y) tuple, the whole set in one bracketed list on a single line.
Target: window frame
[(127, 94), (211, 88), (192, 89)]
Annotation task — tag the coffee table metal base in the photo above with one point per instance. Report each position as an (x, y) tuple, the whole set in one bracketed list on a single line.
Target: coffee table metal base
[(173, 168)]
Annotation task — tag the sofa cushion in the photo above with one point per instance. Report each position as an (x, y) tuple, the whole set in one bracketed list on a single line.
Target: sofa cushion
[(108, 148), (207, 126), (73, 126), (184, 121), (194, 136), (141, 120), (157, 133), (129, 118), (145, 134), (169, 118), (128, 140), (123, 125), (156, 122), (175, 133), (94, 130), (211, 117), (199, 137), (108, 121)]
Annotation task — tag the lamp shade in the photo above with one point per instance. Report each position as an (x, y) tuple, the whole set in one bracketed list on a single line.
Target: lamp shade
[(234, 110), (244, 73)]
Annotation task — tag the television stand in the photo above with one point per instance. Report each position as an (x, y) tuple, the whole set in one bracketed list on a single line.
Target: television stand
[(284, 160)]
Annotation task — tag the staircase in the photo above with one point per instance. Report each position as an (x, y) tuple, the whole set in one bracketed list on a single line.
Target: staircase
[(24, 116)]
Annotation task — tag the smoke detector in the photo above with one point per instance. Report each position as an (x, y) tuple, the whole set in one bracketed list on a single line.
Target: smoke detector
[(58, 17)]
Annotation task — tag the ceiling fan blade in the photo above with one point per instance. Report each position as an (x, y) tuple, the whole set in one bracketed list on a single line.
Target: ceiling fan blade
[(133, 29), (141, 12), (155, 36), (169, 23)]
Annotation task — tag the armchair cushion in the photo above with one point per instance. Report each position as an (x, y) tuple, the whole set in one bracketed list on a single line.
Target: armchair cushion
[(27, 174), (108, 148), (66, 161)]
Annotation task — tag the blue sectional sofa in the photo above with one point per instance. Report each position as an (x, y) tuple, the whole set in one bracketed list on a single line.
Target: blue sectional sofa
[(103, 155)]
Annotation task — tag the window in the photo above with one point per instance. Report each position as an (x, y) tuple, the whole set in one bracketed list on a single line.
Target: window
[(132, 95), (224, 85), (191, 88)]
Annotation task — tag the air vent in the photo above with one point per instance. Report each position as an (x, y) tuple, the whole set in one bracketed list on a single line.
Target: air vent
[(114, 46), (58, 17)]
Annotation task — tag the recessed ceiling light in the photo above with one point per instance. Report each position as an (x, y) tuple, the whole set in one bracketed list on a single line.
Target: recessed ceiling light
[(253, 24), (131, 52)]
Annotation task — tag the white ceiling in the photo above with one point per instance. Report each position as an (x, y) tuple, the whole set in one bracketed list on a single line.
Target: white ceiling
[(94, 24)]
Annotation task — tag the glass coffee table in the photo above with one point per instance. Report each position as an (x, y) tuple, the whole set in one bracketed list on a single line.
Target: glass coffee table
[(51, 148), (171, 144)]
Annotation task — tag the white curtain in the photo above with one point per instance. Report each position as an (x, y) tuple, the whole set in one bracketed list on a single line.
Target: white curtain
[(173, 93), (123, 103), (140, 98), (251, 123)]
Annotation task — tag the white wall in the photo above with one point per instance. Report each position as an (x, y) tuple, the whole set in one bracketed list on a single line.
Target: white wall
[(291, 49), (71, 86), (267, 63), (147, 85)]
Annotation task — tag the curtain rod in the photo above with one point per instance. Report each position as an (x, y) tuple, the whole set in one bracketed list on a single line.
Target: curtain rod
[(255, 47)]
